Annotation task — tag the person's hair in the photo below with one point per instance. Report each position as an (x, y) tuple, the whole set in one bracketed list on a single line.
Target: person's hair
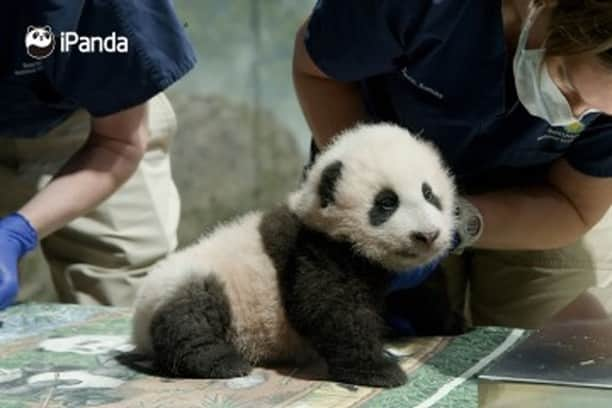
[(581, 26)]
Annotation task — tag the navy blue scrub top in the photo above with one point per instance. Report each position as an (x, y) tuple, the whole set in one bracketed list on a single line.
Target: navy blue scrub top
[(36, 95), (441, 67)]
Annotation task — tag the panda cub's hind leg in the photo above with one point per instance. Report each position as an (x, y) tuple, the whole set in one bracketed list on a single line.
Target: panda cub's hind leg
[(189, 334)]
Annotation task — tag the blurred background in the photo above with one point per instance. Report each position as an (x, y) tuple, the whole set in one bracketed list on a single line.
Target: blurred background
[(242, 139)]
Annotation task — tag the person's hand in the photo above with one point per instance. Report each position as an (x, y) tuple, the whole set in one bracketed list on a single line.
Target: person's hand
[(17, 236), (468, 229)]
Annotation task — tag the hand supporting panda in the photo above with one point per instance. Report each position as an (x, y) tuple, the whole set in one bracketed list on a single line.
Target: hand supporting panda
[(468, 230), (17, 237)]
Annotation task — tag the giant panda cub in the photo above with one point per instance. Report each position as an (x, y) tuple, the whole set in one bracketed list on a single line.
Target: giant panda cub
[(306, 278)]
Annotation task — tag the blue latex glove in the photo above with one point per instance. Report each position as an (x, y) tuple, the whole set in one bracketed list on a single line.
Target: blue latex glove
[(17, 236)]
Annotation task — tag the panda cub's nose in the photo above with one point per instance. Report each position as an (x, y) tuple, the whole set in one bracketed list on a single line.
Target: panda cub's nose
[(425, 237)]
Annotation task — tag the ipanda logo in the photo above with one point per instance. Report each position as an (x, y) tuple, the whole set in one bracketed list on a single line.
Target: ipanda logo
[(40, 42)]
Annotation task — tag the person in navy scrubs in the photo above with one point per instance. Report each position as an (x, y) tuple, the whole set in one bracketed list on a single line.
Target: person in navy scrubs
[(84, 138), (517, 96)]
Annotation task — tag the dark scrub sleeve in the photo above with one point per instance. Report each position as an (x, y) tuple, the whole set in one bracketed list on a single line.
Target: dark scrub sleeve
[(351, 40), (591, 153), (159, 53)]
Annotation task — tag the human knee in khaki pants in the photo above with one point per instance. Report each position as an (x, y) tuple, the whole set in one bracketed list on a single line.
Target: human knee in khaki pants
[(527, 288), (101, 257)]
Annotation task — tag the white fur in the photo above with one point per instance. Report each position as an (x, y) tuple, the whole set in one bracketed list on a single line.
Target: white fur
[(373, 157), (234, 253)]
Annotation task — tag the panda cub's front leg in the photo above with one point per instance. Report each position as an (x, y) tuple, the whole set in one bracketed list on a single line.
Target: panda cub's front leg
[(353, 349), (337, 315)]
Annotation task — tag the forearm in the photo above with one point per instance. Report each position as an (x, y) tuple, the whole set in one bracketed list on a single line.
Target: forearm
[(89, 177), (534, 218), (329, 106)]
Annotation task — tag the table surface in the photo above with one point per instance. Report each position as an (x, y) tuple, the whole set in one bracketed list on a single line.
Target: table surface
[(54, 355)]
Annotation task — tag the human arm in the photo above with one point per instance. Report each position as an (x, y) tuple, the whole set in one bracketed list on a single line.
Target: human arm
[(111, 154), (342, 43), (335, 53), (115, 146), (329, 106), (543, 217), (113, 88)]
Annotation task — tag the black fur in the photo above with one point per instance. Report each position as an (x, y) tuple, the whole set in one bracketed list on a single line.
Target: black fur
[(189, 333), (428, 308), (334, 297), (385, 204), (279, 228), (430, 196), (329, 178)]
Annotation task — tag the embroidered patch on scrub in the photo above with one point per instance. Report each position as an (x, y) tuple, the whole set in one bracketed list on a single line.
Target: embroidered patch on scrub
[(575, 127)]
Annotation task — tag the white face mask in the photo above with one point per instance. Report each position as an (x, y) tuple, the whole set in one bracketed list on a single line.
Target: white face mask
[(536, 90)]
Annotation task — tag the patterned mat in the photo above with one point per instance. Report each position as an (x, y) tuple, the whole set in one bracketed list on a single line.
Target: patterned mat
[(74, 356)]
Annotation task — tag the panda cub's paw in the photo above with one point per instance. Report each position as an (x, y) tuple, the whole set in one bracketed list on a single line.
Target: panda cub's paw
[(386, 373), (219, 364), (229, 366)]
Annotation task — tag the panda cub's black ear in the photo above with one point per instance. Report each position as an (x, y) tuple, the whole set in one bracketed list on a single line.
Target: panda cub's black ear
[(329, 179)]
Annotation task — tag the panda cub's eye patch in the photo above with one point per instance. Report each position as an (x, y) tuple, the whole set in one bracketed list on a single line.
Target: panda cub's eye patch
[(387, 200), (430, 196), (385, 204)]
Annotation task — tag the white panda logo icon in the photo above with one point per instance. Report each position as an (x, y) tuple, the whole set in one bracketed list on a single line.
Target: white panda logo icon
[(39, 42)]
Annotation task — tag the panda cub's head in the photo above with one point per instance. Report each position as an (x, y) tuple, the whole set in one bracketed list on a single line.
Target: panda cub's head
[(383, 190)]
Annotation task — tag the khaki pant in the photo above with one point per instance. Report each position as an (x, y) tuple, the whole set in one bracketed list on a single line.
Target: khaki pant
[(101, 257), (527, 288)]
